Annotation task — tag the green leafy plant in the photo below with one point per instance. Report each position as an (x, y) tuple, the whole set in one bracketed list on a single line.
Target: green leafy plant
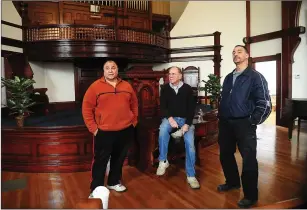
[(212, 86), (18, 94)]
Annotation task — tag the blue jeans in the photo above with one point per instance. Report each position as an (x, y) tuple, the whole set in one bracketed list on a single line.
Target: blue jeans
[(164, 137)]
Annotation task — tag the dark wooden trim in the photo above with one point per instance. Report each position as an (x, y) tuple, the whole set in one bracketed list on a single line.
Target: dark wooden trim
[(266, 58), (217, 53), (59, 50), (6, 53), (11, 24), (192, 58), (17, 7), (294, 31), (115, 15), (248, 23), (76, 81), (191, 36), (12, 42), (60, 106), (194, 49), (280, 97)]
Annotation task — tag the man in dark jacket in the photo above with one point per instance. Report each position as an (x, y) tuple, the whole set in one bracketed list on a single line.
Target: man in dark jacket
[(245, 103)]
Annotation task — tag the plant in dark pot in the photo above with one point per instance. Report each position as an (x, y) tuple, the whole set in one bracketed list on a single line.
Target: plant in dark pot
[(18, 97), (213, 87)]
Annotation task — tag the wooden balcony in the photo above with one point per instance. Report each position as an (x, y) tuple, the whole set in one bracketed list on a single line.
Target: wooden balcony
[(67, 41)]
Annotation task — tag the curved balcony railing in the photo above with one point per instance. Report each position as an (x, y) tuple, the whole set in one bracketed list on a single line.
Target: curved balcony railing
[(94, 33)]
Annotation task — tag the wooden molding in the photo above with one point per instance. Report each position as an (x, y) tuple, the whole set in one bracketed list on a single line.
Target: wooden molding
[(11, 24), (248, 23), (191, 36), (266, 58), (280, 98), (295, 31), (6, 53), (194, 49), (192, 58), (63, 50), (12, 42)]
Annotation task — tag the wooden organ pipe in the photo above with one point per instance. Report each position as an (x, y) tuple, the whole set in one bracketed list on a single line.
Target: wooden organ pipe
[(131, 4)]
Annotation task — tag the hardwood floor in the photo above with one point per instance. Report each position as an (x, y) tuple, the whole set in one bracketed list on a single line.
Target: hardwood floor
[(281, 177)]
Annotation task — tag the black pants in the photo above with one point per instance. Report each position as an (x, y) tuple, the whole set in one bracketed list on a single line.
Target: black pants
[(114, 144), (242, 133)]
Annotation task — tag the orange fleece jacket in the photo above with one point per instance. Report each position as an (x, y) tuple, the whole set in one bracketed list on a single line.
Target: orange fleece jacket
[(109, 108)]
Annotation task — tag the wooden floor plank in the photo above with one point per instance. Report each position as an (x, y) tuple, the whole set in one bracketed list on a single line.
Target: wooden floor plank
[(281, 177)]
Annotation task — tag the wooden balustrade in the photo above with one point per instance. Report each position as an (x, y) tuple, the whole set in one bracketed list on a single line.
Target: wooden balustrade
[(94, 32)]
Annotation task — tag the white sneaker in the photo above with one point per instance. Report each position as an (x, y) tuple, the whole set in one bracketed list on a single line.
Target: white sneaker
[(194, 184), (117, 188), (91, 196), (163, 165)]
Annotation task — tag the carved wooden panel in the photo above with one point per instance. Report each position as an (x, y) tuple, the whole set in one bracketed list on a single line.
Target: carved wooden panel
[(144, 80), (43, 12), (52, 149), (13, 148), (49, 149), (137, 22), (161, 7)]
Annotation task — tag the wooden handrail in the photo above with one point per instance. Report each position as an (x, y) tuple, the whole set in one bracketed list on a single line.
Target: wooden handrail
[(191, 36), (67, 25), (142, 30)]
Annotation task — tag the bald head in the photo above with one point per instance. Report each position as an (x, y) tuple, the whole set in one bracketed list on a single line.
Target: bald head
[(174, 75)]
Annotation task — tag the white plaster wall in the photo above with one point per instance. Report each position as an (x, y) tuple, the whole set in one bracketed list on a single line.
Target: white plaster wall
[(265, 18), (58, 77)]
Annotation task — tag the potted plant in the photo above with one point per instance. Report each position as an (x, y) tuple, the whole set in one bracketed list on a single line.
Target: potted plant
[(213, 87), (18, 97)]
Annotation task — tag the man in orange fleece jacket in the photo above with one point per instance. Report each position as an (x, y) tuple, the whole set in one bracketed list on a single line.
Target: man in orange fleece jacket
[(110, 112)]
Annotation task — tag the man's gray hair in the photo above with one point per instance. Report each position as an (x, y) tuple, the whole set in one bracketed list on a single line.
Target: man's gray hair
[(179, 69)]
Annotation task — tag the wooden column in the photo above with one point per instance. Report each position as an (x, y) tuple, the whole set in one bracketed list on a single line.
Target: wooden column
[(150, 14), (290, 16), (248, 25), (217, 53)]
